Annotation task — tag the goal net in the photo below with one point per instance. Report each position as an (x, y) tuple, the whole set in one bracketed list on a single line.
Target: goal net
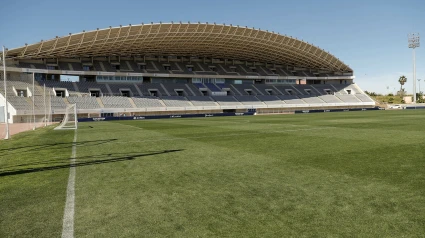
[(70, 120)]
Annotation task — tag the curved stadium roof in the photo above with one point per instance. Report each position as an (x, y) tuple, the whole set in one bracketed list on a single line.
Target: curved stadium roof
[(185, 39)]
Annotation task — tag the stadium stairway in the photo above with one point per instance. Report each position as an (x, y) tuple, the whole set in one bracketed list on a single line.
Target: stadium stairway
[(100, 102), (40, 88), (190, 90), (319, 93), (109, 89), (76, 88), (277, 90), (236, 90), (165, 90), (66, 101), (296, 89), (132, 103), (336, 90), (138, 90), (162, 102), (257, 90)]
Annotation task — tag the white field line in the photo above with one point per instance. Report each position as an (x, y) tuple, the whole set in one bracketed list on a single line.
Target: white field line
[(226, 135), (68, 216)]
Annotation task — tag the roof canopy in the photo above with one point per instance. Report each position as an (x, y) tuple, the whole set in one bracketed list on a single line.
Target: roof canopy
[(185, 39)]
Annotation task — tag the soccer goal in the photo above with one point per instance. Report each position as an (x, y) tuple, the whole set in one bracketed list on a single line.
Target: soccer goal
[(70, 120)]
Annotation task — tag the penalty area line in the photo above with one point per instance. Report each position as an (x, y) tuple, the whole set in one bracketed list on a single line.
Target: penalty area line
[(68, 216)]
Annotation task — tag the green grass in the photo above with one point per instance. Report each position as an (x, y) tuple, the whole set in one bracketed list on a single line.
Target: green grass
[(331, 174)]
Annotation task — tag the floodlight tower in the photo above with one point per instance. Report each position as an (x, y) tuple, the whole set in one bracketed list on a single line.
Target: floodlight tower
[(413, 40)]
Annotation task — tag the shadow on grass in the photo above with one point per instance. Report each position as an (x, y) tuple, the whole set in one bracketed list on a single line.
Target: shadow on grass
[(115, 158), (30, 148)]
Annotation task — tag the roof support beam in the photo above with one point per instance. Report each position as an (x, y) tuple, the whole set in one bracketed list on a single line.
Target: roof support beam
[(186, 39)]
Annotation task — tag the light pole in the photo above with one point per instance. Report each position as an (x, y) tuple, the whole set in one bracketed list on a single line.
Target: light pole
[(413, 40), (6, 111)]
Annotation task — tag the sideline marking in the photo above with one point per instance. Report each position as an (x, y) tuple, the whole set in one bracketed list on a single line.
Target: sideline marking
[(68, 216)]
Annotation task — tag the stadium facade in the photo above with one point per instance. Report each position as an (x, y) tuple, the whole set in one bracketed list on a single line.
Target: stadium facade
[(169, 68)]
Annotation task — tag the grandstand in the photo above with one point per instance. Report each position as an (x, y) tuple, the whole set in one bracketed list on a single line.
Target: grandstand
[(141, 68)]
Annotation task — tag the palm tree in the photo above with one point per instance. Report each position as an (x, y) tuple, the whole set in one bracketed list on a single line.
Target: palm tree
[(402, 80)]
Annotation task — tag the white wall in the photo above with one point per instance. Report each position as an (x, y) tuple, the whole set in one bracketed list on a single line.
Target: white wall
[(12, 110)]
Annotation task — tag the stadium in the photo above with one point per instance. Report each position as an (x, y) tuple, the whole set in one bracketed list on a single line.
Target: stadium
[(233, 148), (175, 68)]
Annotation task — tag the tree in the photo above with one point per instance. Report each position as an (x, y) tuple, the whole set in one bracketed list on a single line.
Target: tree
[(402, 80), (419, 97)]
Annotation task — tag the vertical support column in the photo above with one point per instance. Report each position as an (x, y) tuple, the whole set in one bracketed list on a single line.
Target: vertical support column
[(76, 117), (6, 113), (45, 109), (33, 100)]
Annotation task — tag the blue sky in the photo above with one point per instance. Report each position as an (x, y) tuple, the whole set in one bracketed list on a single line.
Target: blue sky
[(370, 36)]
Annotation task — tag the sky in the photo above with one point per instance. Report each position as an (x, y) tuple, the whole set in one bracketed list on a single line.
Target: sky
[(368, 35)]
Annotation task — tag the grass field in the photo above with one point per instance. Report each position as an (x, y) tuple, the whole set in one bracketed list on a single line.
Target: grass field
[(358, 174)]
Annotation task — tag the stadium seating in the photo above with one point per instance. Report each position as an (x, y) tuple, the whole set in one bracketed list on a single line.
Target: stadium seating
[(283, 72), (286, 89), (364, 98), (84, 87), (349, 98), (311, 100), (226, 100), (224, 70), (305, 89), (194, 89), (125, 66), (266, 89), (330, 99), (118, 87), (62, 84), (243, 89), (116, 102), (176, 101), (213, 87), (147, 88), (324, 89), (55, 102), (146, 102), (20, 103), (270, 99), (180, 95), (84, 102), (76, 66), (340, 88), (201, 101), (172, 89), (247, 70), (291, 99), (134, 66), (249, 100), (154, 66), (64, 66), (178, 67)]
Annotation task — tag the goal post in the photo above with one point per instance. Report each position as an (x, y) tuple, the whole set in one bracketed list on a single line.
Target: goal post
[(70, 119)]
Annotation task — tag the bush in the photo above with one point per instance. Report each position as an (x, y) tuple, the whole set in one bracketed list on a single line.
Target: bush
[(419, 98), (391, 95), (391, 100)]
